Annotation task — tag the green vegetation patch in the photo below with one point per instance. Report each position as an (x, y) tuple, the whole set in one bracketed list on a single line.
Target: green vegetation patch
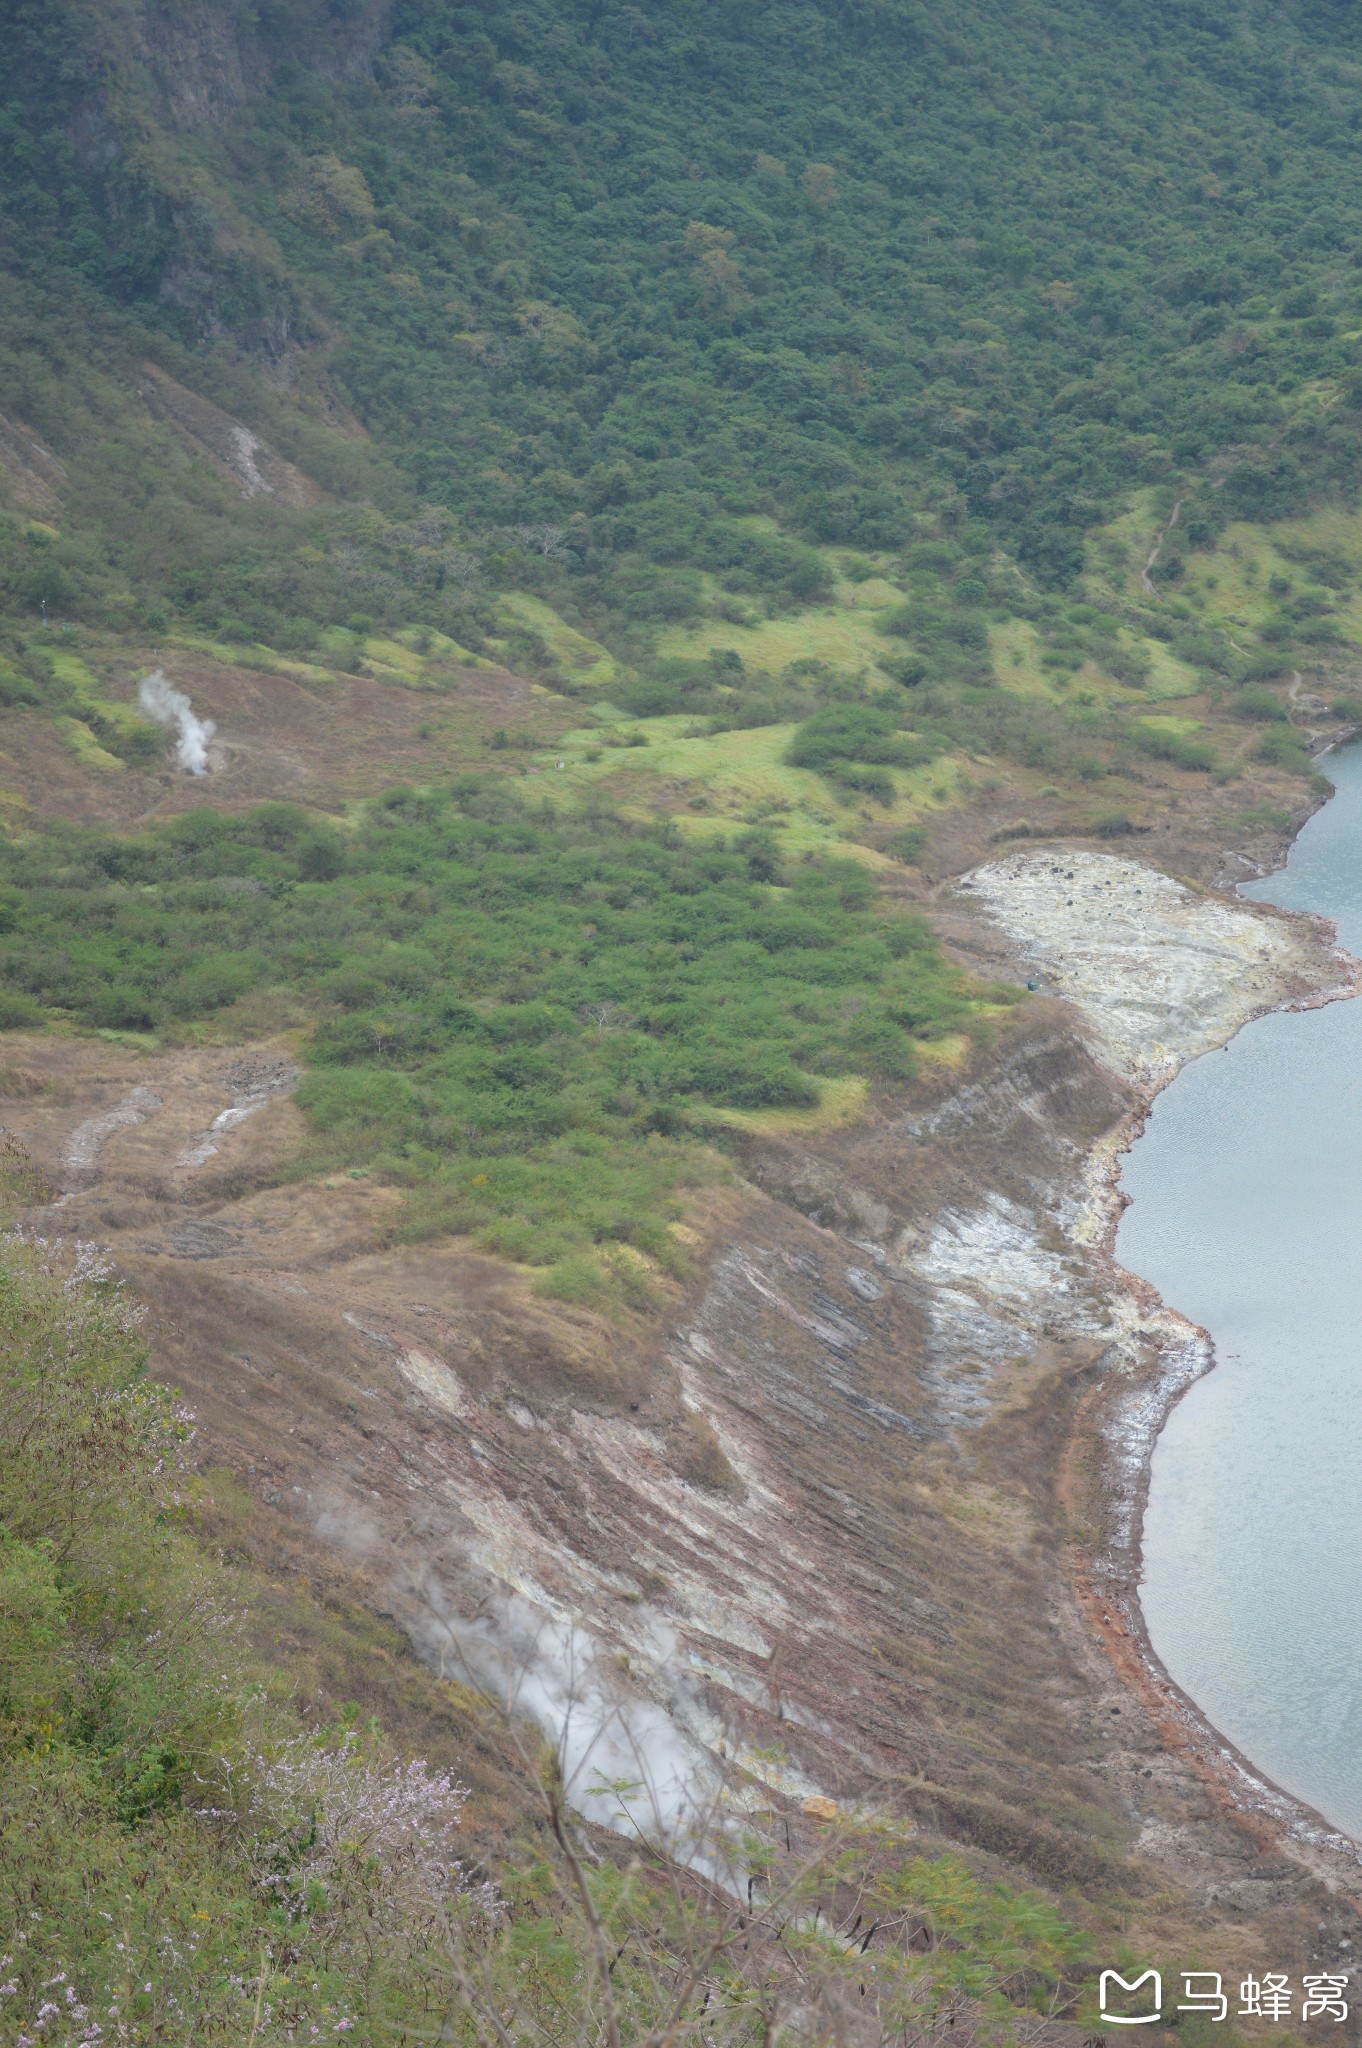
[(525, 1018), (103, 734), (584, 663), (86, 747)]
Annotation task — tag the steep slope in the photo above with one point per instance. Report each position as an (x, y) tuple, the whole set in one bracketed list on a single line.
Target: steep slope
[(647, 502)]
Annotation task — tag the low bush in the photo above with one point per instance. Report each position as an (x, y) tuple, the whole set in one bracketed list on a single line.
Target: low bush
[(1283, 747), (1182, 750), (19, 1012), (1256, 701), (908, 844)]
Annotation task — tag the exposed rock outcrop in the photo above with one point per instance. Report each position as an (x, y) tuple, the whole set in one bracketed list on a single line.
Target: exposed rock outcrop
[(233, 450), (32, 475), (1159, 971), (208, 57)]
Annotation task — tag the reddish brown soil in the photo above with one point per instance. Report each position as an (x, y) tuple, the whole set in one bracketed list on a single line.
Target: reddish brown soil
[(766, 1467)]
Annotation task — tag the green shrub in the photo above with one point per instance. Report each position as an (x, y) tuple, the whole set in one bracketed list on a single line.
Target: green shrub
[(516, 1012), (579, 1280), (120, 1008), (846, 732), (908, 670), (1181, 749), (862, 780), (908, 844), (19, 1012), (1254, 701), (209, 984), (849, 743), (1282, 747)]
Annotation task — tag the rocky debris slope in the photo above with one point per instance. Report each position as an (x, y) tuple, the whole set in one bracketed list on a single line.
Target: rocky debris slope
[(252, 1083), (1159, 971), (234, 451), (31, 474)]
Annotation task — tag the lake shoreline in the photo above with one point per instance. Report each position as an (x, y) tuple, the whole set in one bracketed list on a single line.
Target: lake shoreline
[(1123, 1423), (1161, 1355)]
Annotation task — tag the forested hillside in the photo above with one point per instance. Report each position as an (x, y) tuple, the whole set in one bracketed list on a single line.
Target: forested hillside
[(625, 278)]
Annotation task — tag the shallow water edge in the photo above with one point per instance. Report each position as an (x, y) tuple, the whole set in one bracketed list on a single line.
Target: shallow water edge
[(1160, 1355)]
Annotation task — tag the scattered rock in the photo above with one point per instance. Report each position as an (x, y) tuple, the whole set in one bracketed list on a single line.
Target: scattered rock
[(1159, 971)]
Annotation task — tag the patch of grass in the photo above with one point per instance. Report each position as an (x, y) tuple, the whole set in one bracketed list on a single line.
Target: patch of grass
[(908, 845), (1270, 815), (19, 1012), (586, 663), (949, 1054), (1016, 649), (838, 1102), (113, 723), (741, 776), (699, 1456), (612, 1279), (580, 1280), (844, 635), (254, 656), (396, 657), (425, 641), (1171, 740), (86, 748), (1169, 678), (1282, 747)]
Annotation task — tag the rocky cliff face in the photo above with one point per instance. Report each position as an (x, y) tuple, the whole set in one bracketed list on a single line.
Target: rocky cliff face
[(204, 60), (128, 97)]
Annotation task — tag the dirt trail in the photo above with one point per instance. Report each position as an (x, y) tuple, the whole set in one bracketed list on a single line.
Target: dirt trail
[(253, 1083)]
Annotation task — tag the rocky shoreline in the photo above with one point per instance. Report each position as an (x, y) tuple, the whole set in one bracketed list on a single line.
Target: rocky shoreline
[(1155, 1354)]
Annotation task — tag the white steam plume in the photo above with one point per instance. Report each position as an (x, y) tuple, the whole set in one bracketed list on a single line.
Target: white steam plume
[(627, 1763), (634, 1757), (160, 700)]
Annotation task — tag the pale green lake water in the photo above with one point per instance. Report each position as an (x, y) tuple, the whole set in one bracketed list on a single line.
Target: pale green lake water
[(1247, 1216)]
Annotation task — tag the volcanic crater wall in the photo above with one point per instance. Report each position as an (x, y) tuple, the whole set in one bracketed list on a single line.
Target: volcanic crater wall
[(827, 1530)]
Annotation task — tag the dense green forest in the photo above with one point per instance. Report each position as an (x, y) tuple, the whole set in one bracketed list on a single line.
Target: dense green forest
[(604, 283)]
